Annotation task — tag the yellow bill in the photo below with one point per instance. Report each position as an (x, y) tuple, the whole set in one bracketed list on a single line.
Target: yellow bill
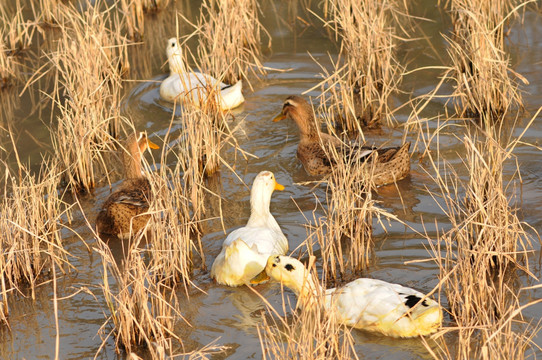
[(261, 277), (279, 117), (278, 186)]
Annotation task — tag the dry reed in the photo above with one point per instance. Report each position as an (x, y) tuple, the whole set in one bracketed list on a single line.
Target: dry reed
[(482, 254), (32, 214), (308, 333), (89, 62), (486, 87), (344, 233), (230, 36), (142, 310), (134, 15), (367, 72)]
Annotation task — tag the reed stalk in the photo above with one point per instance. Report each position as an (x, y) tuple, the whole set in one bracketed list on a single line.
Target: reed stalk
[(88, 62), (143, 311), (486, 86), (32, 214), (230, 36), (481, 256), (367, 72)]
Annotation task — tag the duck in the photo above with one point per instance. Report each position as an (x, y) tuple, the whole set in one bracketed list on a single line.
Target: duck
[(369, 304), (391, 164), (195, 86), (245, 250), (123, 213)]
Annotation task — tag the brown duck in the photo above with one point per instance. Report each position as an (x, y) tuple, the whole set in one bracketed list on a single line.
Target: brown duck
[(390, 164), (121, 214)]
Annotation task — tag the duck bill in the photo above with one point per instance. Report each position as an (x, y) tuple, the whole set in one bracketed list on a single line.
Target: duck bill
[(152, 145), (260, 278), (278, 186), (279, 117)]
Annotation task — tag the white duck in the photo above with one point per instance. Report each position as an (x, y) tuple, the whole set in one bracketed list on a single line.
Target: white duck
[(368, 304), (194, 86), (245, 251)]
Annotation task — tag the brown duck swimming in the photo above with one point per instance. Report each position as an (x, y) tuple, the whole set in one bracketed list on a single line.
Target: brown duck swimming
[(121, 213), (390, 164)]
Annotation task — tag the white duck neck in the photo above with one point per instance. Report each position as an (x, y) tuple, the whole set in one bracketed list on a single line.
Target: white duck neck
[(306, 289), (260, 200)]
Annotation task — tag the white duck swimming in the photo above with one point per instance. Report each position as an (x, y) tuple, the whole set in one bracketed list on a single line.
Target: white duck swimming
[(245, 251), (194, 86), (368, 304)]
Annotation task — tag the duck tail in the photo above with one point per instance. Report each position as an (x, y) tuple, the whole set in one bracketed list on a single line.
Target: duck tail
[(232, 96)]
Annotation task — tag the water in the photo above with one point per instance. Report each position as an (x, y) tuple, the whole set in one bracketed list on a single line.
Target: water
[(229, 316)]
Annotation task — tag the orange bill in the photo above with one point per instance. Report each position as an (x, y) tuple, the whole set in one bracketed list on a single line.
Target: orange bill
[(278, 186), (279, 117)]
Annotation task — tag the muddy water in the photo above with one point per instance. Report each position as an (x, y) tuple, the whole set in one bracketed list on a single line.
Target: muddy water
[(229, 316)]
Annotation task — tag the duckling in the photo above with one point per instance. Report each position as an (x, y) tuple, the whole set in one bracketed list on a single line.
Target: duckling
[(195, 86), (390, 164), (246, 250), (123, 213), (368, 304)]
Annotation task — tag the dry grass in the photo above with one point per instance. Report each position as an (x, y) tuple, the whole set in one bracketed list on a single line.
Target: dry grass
[(173, 230), (32, 214), (134, 15), (367, 72), (230, 36), (88, 62), (143, 311), (344, 233), (308, 333), (481, 256), (486, 87), (15, 35)]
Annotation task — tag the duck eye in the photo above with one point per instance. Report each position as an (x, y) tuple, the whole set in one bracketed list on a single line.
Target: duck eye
[(274, 265)]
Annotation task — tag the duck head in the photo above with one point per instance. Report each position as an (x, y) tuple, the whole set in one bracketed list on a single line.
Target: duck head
[(175, 57), (299, 110), (260, 195)]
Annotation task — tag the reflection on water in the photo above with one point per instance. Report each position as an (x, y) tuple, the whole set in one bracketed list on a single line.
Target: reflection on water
[(232, 314)]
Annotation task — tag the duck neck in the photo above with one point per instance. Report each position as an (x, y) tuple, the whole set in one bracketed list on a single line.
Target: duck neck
[(306, 290), (307, 128), (132, 164), (259, 209)]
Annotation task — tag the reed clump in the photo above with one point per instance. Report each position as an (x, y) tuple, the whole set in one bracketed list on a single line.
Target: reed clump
[(344, 232), (172, 230), (32, 215), (485, 249), (367, 72), (134, 15), (143, 311), (88, 63), (486, 87), (308, 333), (230, 36)]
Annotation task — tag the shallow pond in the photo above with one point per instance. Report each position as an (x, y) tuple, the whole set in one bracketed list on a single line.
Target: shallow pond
[(229, 316)]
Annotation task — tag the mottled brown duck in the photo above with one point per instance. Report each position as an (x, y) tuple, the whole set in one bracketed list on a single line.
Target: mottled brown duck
[(389, 164), (124, 211)]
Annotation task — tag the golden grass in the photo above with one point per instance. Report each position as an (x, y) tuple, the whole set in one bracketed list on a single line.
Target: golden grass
[(306, 333), (486, 87), (143, 310), (134, 11), (344, 232), (230, 36), (482, 255), (32, 214), (367, 72), (88, 65)]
